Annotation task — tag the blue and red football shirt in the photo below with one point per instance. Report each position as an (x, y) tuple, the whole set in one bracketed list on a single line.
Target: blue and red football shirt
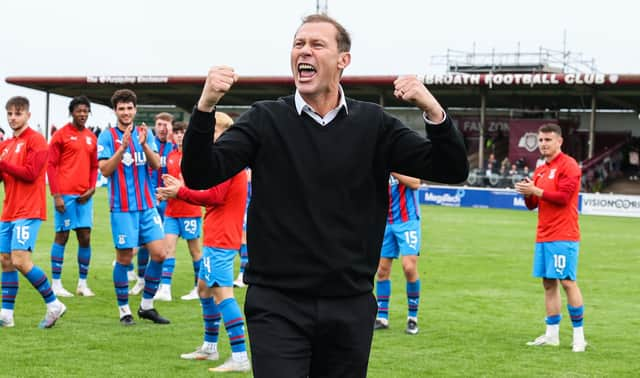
[(130, 187), (164, 149), (403, 203)]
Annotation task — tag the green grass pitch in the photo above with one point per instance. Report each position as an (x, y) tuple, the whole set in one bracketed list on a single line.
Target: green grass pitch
[(479, 305)]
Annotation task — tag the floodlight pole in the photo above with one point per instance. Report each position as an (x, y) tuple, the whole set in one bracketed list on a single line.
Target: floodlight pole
[(592, 125), (483, 114), (46, 116), (322, 6)]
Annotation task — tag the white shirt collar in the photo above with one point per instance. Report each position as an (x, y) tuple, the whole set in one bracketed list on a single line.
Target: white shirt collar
[(301, 105)]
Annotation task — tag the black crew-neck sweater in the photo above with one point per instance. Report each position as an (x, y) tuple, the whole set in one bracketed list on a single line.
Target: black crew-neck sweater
[(319, 193)]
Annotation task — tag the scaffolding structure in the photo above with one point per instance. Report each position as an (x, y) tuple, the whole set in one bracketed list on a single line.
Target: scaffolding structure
[(542, 61)]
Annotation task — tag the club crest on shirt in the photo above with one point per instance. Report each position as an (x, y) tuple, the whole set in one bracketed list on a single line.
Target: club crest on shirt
[(88, 139), (127, 159), (552, 173), (19, 146)]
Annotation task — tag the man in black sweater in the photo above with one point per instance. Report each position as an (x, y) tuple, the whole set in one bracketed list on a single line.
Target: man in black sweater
[(320, 163)]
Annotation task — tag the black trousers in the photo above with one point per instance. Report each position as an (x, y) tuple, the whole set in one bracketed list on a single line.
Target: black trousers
[(294, 335)]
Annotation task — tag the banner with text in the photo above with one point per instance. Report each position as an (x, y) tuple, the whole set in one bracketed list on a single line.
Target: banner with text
[(610, 204), (588, 203), (471, 197)]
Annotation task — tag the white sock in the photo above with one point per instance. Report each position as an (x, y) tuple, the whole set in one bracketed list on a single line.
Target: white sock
[(54, 305), (124, 310), (210, 347), (6, 313), (82, 282), (415, 319), (239, 356), (553, 330), (56, 282), (146, 304), (578, 334)]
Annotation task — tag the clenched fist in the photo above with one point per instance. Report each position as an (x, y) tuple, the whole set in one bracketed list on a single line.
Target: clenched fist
[(219, 81), (410, 89)]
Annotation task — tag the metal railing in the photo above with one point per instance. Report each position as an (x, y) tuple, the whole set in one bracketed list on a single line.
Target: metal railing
[(597, 171)]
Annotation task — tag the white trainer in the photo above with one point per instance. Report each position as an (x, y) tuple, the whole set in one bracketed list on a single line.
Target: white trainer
[(137, 288), (84, 291), (60, 291), (545, 340), (6, 322), (163, 293), (232, 365), (238, 281), (193, 294), (412, 327), (132, 275), (52, 316), (201, 354), (579, 345)]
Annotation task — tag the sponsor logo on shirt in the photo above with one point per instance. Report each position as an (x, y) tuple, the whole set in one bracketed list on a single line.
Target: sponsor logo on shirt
[(137, 157)]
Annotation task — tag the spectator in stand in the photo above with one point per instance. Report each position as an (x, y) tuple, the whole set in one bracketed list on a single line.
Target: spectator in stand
[(505, 163), (492, 165), (634, 162), (526, 172), (513, 171)]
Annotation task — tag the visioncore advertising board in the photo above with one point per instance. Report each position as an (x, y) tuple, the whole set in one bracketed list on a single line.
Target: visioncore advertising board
[(592, 204)]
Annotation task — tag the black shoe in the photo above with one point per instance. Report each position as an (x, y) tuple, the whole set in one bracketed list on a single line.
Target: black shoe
[(127, 320), (152, 314)]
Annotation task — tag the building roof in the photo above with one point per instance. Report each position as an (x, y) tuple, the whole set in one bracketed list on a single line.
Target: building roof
[(551, 91)]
